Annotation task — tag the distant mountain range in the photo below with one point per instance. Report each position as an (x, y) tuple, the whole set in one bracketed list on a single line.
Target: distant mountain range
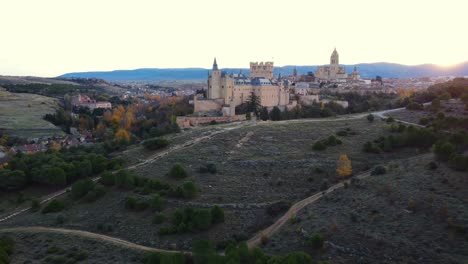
[(367, 70)]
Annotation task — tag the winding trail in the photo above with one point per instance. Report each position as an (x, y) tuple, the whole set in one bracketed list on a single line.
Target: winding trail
[(88, 235), (295, 208), (252, 242)]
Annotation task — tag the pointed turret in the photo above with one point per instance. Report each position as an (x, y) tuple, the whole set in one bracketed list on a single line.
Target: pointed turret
[(295, 71), (215, 65)]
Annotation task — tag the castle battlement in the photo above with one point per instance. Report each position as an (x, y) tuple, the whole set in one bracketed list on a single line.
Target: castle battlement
[(262, 69)]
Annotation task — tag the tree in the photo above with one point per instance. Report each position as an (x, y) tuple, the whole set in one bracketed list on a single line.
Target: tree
[(264, 114), (253, 104), (344, 168), (275, 114), (122, 135), (177, 171), (12, 180), (370, 117), (217, 214)]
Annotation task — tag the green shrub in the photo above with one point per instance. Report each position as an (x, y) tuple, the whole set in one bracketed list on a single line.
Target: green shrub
[(379, 170), (159, 218), (124, 179), (371, 148), (107, 179), (94, 194), (316, 241), (319, 146), (390, 120), (135, 204), (414, 106), (332, 141), (7, 244), (424, 121), (156, 143), (35, 205), (217, 214), (53, 206), (444, 150), (81, 188), (177, 171), (189, 190), (156, 202), (370, 118)]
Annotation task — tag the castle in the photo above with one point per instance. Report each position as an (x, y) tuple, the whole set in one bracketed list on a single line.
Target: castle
[(334, 72), (226, 91)]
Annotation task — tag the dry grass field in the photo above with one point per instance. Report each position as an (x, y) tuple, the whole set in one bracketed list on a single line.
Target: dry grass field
[(21, 115)]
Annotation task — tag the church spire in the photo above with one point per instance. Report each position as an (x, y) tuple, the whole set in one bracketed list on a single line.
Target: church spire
[(215, 65)]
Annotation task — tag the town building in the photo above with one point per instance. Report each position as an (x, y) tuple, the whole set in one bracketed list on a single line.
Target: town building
[(84, 101)]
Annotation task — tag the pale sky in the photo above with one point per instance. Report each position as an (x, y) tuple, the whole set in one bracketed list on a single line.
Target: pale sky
[(52, 37)]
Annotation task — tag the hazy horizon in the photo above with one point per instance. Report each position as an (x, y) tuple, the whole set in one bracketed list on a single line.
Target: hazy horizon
[(51, 37)]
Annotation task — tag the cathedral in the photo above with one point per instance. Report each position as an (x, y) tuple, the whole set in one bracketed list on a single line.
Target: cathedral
[(225, 91), (332, 72)]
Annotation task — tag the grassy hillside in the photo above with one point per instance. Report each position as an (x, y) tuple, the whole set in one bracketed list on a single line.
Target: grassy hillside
[(22, 115)]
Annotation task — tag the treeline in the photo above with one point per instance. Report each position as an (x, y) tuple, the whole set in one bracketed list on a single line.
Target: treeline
[(52, 90), (205, 253), (55, 168), (456, 88)]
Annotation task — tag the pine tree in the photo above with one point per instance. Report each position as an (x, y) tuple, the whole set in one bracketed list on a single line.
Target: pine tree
[(253, 104)]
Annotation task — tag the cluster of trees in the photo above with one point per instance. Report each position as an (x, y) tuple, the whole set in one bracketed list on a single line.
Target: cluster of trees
[(54, 168), (451, 150), (156, 202), (87, 190), (127, 122), (328, 142), (7, 247), (190, 220), (456, 88), (205, 253), (408, 137), (127, 180)]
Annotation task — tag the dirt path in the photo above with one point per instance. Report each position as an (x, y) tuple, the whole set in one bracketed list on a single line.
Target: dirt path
[(151, 159), (89, 235), (272, 229)]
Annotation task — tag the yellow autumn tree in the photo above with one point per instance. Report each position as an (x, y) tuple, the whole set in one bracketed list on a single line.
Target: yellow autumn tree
[(55, 146), (100, 129), (344, 168), (122, 134)]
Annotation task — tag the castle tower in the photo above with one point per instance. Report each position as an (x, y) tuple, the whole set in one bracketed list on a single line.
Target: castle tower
[(262, 70), (214, 82)]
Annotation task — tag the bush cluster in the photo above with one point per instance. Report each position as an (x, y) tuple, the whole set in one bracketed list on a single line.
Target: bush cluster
[(328, 142), (190, 220), (54, 206), (156, 143), (177, 171), (411, 137)]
